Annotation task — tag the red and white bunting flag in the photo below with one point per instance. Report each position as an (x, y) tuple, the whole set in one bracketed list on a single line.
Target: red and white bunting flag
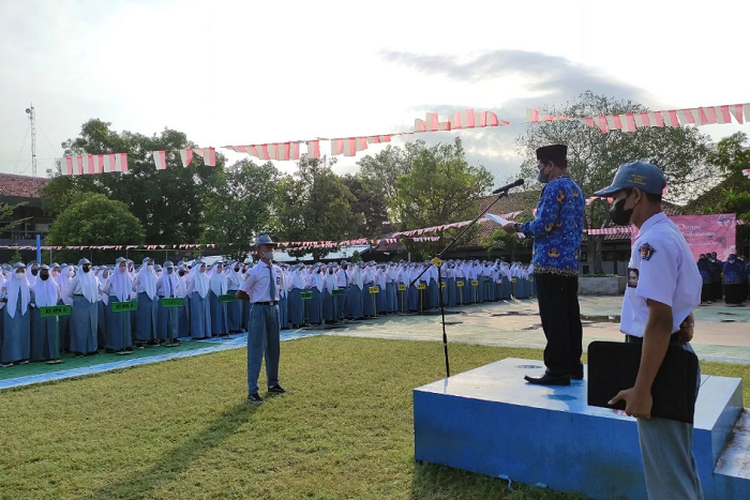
[(110, 163), (79, 163), (208, 155), (431, 123), (68, 165), (186, 155), (90, 167), (99, 163), (293, 150), (313, 149), (160, 159), (746, 172), (464, 119), (122, 162), (378, 139), (348, 146)]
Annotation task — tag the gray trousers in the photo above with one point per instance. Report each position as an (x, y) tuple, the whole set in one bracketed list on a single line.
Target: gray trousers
[(668, 461)]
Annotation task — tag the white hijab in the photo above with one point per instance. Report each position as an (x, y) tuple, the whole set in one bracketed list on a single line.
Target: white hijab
[(63, 279), (355, 276), (217, 280), (46, 292), (198, 280), (146, 280), (89, 285), (12, 286), (120, 284), (234, 277)]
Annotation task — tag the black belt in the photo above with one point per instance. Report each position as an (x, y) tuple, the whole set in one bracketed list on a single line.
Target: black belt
[(272, 303), (674, 339)]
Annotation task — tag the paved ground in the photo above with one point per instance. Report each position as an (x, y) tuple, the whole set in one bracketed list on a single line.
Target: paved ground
[(722, 332)]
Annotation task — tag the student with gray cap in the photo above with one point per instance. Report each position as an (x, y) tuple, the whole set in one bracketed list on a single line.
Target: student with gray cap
[(664, 286), (261, 289)]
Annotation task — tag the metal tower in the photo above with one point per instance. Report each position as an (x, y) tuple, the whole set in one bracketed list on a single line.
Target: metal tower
[(32, 117)]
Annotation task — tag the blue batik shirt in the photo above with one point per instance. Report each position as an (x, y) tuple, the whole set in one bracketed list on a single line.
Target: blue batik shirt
[(558, 228)]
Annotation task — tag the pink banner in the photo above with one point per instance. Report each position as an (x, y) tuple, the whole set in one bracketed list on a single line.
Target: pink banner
[(708, 233)]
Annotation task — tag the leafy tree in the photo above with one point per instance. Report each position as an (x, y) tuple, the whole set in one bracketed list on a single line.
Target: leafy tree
[(732, 194), (7, 222), (239, 204), (168, 203), (440, 188), (507, 242), (93, 219), (315, 204), (384, 169), (369, 202), (593, 157)]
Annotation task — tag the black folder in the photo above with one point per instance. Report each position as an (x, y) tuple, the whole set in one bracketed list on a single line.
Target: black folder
[(613, 366)]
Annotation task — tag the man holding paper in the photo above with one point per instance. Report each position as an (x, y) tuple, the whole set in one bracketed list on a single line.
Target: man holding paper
[(557, 231)]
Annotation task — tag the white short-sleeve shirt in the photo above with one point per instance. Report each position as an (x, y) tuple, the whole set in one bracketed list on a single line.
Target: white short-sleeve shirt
[(256, 286), (662, 269)]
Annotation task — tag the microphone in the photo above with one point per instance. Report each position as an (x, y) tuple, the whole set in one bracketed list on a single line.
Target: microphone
[(505, 188)]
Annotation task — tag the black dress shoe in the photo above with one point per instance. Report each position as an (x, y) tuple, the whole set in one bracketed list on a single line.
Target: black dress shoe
[(577, 373), (548, 379)]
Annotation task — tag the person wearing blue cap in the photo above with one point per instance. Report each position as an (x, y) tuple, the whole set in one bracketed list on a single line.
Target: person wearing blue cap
[(261, 289), (664, 286), (557, 231)]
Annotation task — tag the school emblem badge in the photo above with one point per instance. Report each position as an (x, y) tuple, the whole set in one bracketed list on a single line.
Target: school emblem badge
[(647, 251), (632, 278)]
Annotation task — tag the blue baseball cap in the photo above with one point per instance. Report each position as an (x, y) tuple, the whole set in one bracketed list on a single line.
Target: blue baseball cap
[(644, 176)]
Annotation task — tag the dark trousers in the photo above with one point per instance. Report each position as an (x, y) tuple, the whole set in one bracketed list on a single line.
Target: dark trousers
[(561, 320)]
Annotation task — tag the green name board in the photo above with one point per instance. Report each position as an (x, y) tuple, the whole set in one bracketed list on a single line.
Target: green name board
[(459, 284), (230, 297), (402, 288), (514, 280), (52, 311), (374, 289), (442, 285), (172, 302), (119, 307), (531, 279), (421, 286), (340, 291), (305, 295)]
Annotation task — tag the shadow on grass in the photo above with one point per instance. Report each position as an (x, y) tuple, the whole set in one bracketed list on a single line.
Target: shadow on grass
[(438, 482), (168, 466)]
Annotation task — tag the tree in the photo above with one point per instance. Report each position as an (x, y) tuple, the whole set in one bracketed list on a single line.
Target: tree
[(168, 203), (239, 203), (440, 188), (369, 202), (93, 219), (384, 169), (500, 240), (731, 155), (593, 157), (315, 204), (7, 222)]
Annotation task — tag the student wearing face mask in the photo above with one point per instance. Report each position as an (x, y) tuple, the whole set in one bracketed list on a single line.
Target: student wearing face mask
[(664, 286), (32, 271), (168, 317), (16, 340), (44, 293), (183, 329), (200, 310), (217, 288), (118, 288), (261, 289), (716, 267), (557, 231), (147, 314), (84, 290), (234, 309), (734, 286)]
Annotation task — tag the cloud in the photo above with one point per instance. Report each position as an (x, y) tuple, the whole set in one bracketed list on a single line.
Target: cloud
[(549, 79)]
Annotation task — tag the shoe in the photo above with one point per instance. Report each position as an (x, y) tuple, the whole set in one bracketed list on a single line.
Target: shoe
[(255, 399), (548, 379), (577, 372), (276, 389)]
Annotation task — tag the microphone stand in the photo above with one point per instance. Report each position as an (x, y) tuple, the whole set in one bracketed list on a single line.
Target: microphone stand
[(438, 262)]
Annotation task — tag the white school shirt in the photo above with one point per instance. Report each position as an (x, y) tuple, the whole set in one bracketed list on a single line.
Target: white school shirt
[(661, 268), (256, 286)]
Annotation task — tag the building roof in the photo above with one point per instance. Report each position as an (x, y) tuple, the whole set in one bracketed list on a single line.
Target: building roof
[(21, 186)]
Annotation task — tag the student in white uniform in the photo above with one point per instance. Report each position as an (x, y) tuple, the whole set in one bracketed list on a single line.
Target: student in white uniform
[(664, 286)]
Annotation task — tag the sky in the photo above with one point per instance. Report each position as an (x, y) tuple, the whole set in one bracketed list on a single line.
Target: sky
[(250, 72)]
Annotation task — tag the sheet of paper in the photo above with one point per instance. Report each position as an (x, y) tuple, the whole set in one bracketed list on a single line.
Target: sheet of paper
[(497, 218)]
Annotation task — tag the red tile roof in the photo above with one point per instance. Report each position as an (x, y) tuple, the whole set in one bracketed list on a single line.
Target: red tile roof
[(21, 186)]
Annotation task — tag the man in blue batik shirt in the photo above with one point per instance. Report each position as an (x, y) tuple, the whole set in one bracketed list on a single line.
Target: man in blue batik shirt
[(557, 232)]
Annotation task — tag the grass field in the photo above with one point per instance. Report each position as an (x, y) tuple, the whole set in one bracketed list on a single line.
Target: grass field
[(181, 429)]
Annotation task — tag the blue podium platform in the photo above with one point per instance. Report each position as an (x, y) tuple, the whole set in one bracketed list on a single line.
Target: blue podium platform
[(490, 421)]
